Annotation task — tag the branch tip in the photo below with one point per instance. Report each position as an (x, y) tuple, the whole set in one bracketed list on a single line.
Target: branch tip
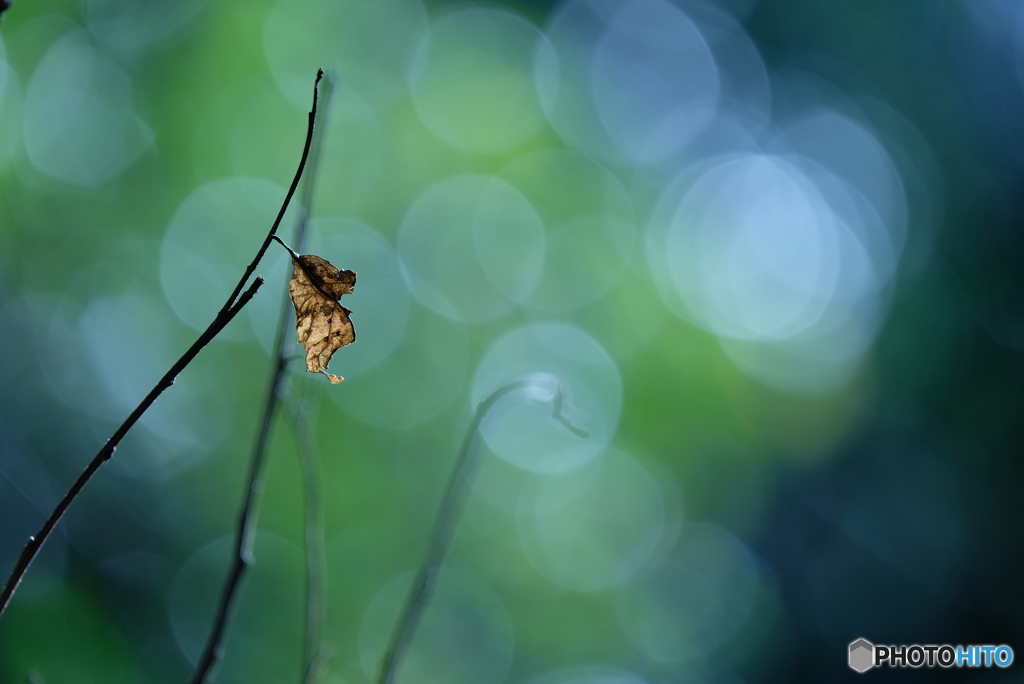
[(251, 268), (557, 401)]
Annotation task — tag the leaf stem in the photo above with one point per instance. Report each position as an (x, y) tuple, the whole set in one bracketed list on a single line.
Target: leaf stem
[(291, 252), (447, 518)]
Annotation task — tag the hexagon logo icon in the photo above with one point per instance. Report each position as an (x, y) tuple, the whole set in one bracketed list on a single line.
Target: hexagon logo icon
[(862, 655)]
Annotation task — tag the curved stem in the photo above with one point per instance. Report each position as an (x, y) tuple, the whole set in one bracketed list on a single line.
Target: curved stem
[(444, 525)]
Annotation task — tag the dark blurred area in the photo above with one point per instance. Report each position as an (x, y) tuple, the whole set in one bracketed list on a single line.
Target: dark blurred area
[(770, 252)]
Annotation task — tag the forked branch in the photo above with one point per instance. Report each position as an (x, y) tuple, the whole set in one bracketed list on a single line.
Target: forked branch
[(35, 542), (231, 307)]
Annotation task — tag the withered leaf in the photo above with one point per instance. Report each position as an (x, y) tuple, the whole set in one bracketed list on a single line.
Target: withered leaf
[(322, 323)]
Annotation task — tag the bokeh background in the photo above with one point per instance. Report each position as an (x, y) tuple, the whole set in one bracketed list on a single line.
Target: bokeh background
[(770, 251)]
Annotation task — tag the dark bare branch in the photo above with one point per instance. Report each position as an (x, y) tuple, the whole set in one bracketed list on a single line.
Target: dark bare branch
[(36, 541), (248, 516)]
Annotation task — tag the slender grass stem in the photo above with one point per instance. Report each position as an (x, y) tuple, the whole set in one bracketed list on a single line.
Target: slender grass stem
[(313, 524), (444, 525)]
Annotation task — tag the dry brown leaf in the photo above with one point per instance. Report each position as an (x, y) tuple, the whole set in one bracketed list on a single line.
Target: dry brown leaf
[(322, 323)]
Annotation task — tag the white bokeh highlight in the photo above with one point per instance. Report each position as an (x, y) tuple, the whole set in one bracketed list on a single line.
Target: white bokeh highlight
[(520, 429), (472, 247), (209, 241), (695, 600), (11, 107), (258, 629), (471, 81), (421, 376), (591, 528), (636, 81), (135, 29), (79, 125), (590, 226), (787, 262), (367, 44), (466, 636)]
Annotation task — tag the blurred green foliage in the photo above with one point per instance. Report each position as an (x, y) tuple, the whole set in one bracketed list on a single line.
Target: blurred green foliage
[(771, 250)]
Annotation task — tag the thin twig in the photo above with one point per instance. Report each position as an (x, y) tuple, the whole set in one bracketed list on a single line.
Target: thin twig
[(36, 542), (313, 524), (444, 526), (244, 534), (249, 514), (288, 197), (319, 135), (309, 458)]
